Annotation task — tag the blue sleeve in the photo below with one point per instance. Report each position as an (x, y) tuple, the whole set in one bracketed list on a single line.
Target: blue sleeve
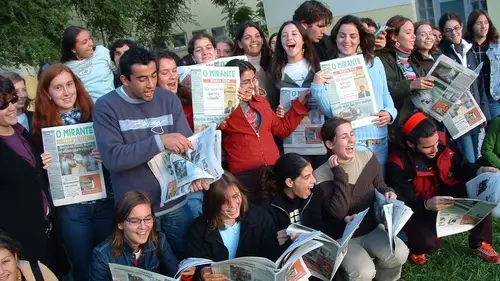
[(99, 267), (388, 102), (168, 261), (319, 93), (116, 155)]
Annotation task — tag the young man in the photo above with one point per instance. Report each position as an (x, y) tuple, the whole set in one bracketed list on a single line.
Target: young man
[(314, 16), (117, 49), (380, 41), (132, 124), (427, 175)]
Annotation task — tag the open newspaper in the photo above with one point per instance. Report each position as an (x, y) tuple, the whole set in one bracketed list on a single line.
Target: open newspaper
[(74, 175), (215, 94), (394, 214), (323, 262), (185, 70), (175, 172), (463, 216), (486, 186), (306, 139), (464, 115), (351, 91), (131, 273)]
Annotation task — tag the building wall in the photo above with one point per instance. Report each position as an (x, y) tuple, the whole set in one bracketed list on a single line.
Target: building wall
[(494, 12)]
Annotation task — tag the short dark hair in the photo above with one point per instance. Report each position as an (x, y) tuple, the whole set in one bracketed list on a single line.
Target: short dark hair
[(198, 37), (167, 54), (118, 44), (10, 244), (492, 35), (445, 18), (242, 65), (313, 11), (366, 38), (6, 87), (329, 130), (134, 56), (214, 198), (68, 43), (369, 22), (424, 129)]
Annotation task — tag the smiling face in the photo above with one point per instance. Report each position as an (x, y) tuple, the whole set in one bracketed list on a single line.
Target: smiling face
[(84, 46), (22, 94), (272, 43), (424, 38), (292, 42), (168, 78), (8, 115), (138, 226), (251, 41), (344, 143), (230, 210), (8, 265), (302, 185), (453, 31), (62, 91), (405, 37), (204, 51), (223, 50), (427, 146), (347, 40)]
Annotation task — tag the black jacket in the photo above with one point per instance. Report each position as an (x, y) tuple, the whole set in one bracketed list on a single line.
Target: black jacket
[(258, 238), (324, 48)]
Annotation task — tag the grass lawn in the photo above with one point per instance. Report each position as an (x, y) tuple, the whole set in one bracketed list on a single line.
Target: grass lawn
[(455, 262)]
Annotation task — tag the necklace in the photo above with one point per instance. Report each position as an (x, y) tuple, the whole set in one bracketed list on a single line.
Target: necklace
[(19, 275)]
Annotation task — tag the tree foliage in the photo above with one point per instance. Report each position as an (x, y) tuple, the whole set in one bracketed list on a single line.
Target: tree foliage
[(236, 12)]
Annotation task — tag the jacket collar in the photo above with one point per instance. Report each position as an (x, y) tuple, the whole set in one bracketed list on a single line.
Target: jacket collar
[(148, 247), (281, 200), (247, 222)]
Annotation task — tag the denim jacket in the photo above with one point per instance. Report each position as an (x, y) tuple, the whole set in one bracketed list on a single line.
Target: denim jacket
[(160, 260), (494, 56)]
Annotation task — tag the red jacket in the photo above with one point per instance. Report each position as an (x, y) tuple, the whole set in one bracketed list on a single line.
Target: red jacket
[(188, 111), (247, 150)]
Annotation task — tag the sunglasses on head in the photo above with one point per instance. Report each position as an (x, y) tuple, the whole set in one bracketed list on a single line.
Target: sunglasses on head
[(7, 101)]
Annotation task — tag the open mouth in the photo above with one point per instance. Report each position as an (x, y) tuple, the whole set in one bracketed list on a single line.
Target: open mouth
[(291, 46), (350, 149)]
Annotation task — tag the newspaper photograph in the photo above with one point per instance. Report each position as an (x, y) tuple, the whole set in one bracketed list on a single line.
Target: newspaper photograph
[(175, 172), (214, 92), (463, 216), (306, 139), (131, 273), (75, 176), (486, 186), (351, 91), (464, 115), (451, 81)]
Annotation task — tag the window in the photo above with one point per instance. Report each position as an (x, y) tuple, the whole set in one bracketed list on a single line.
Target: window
[(479, 4), (425, 10), (179, 41), (196, 32), (218, 31)]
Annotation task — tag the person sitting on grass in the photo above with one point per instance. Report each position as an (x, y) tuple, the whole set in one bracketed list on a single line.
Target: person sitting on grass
[(425, 175)]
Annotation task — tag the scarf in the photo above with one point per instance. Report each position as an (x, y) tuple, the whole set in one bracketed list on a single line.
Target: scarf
[(71, 117)]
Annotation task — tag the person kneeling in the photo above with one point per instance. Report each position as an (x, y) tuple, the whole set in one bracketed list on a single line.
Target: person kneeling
[(135, 242), (425, 175)]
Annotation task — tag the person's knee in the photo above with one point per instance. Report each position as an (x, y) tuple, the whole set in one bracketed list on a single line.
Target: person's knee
[(362, 271)]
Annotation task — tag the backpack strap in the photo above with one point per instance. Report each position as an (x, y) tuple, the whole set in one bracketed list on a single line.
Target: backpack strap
[(35, 268)]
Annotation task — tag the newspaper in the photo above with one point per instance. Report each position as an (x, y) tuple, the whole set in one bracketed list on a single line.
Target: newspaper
[(351, 91), (451, 81), (463, 216), (464, 115), (324, 261), (214, 92), (486, 186), (306, 139), (74, 175), (394, 214), (224, 61), (131, 273), (175, 172)]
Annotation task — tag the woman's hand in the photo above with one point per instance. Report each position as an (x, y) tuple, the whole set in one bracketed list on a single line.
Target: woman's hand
[(333, 161), (323, 77), (390, 195), (380, 41), (245, 95), (438, 203), (207, 275), (280, 111), (189, 272), (383, 118), (348, 219), (199, 185), (304, 97), (422, 83), (95, 153), (46, 160)]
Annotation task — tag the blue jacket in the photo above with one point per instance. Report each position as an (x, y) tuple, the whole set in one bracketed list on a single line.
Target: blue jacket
[(160, 260), (494, 56)]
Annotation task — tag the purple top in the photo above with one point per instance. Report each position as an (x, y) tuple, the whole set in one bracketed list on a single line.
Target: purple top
[(19, 144)]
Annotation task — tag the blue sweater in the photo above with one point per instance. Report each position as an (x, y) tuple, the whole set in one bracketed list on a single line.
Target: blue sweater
[(382, 96), (128, 135)]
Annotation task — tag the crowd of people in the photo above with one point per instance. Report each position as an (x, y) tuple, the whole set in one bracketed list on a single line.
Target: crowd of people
[(139, 109)]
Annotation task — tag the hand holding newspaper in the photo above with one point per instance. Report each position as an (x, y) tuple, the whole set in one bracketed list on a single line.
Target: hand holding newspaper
[(394, 214), (486, 186), (131, 273), (175, 172)]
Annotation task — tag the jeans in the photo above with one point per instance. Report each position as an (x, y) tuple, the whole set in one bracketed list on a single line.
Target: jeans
[(468, 144), (494, 108), (175, 225), (195, 203), (84, 226), (380, 150)]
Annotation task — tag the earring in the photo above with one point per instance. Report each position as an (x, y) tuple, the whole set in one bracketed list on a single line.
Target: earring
[(358, 50), (303, 51), (397, 44)]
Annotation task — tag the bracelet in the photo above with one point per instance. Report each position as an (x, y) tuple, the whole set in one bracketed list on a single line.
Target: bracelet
[(425, 205)]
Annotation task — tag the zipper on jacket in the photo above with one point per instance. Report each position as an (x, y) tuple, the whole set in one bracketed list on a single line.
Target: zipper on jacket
[(258, 135), (301, 211)]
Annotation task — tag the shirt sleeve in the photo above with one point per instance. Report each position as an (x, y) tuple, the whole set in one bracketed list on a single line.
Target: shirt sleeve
[(319, 93), (388, 102)]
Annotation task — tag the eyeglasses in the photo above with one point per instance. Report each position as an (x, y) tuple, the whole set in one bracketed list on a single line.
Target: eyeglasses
[(247, 82), (138, 221), (456, 29), (7, 101)]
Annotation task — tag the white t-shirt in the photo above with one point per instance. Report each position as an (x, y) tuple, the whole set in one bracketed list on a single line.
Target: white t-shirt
[(298, 71)]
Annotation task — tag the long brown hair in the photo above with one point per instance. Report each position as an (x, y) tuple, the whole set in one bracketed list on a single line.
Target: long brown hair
[(215, 197), (329, 131), (416, 26), (121, 212), (395, 22), (366, 38), (492, 35), (265, 52), (46, 113)]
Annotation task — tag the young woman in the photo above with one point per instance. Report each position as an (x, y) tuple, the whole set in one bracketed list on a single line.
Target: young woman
[(202, 48), (23, 196), (14, 269), (349, 180), (425, 50), (437, 36), (92, 65), (272, 41), (62, 100), (230, 228), (460, 50), (134, 242), (224, 46), (24, 117), (253, 124), (348, 36), (484, 37), (404, 75), (287, 193)]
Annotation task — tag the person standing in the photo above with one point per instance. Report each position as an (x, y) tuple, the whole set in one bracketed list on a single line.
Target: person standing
[(24, 117)]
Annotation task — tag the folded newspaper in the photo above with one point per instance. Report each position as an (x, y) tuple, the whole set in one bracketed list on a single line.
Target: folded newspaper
[(175, 172), (185, 70), (463, 216), (323, 262), (131, 273), (486, 186), (394, 214), (288, 267)]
